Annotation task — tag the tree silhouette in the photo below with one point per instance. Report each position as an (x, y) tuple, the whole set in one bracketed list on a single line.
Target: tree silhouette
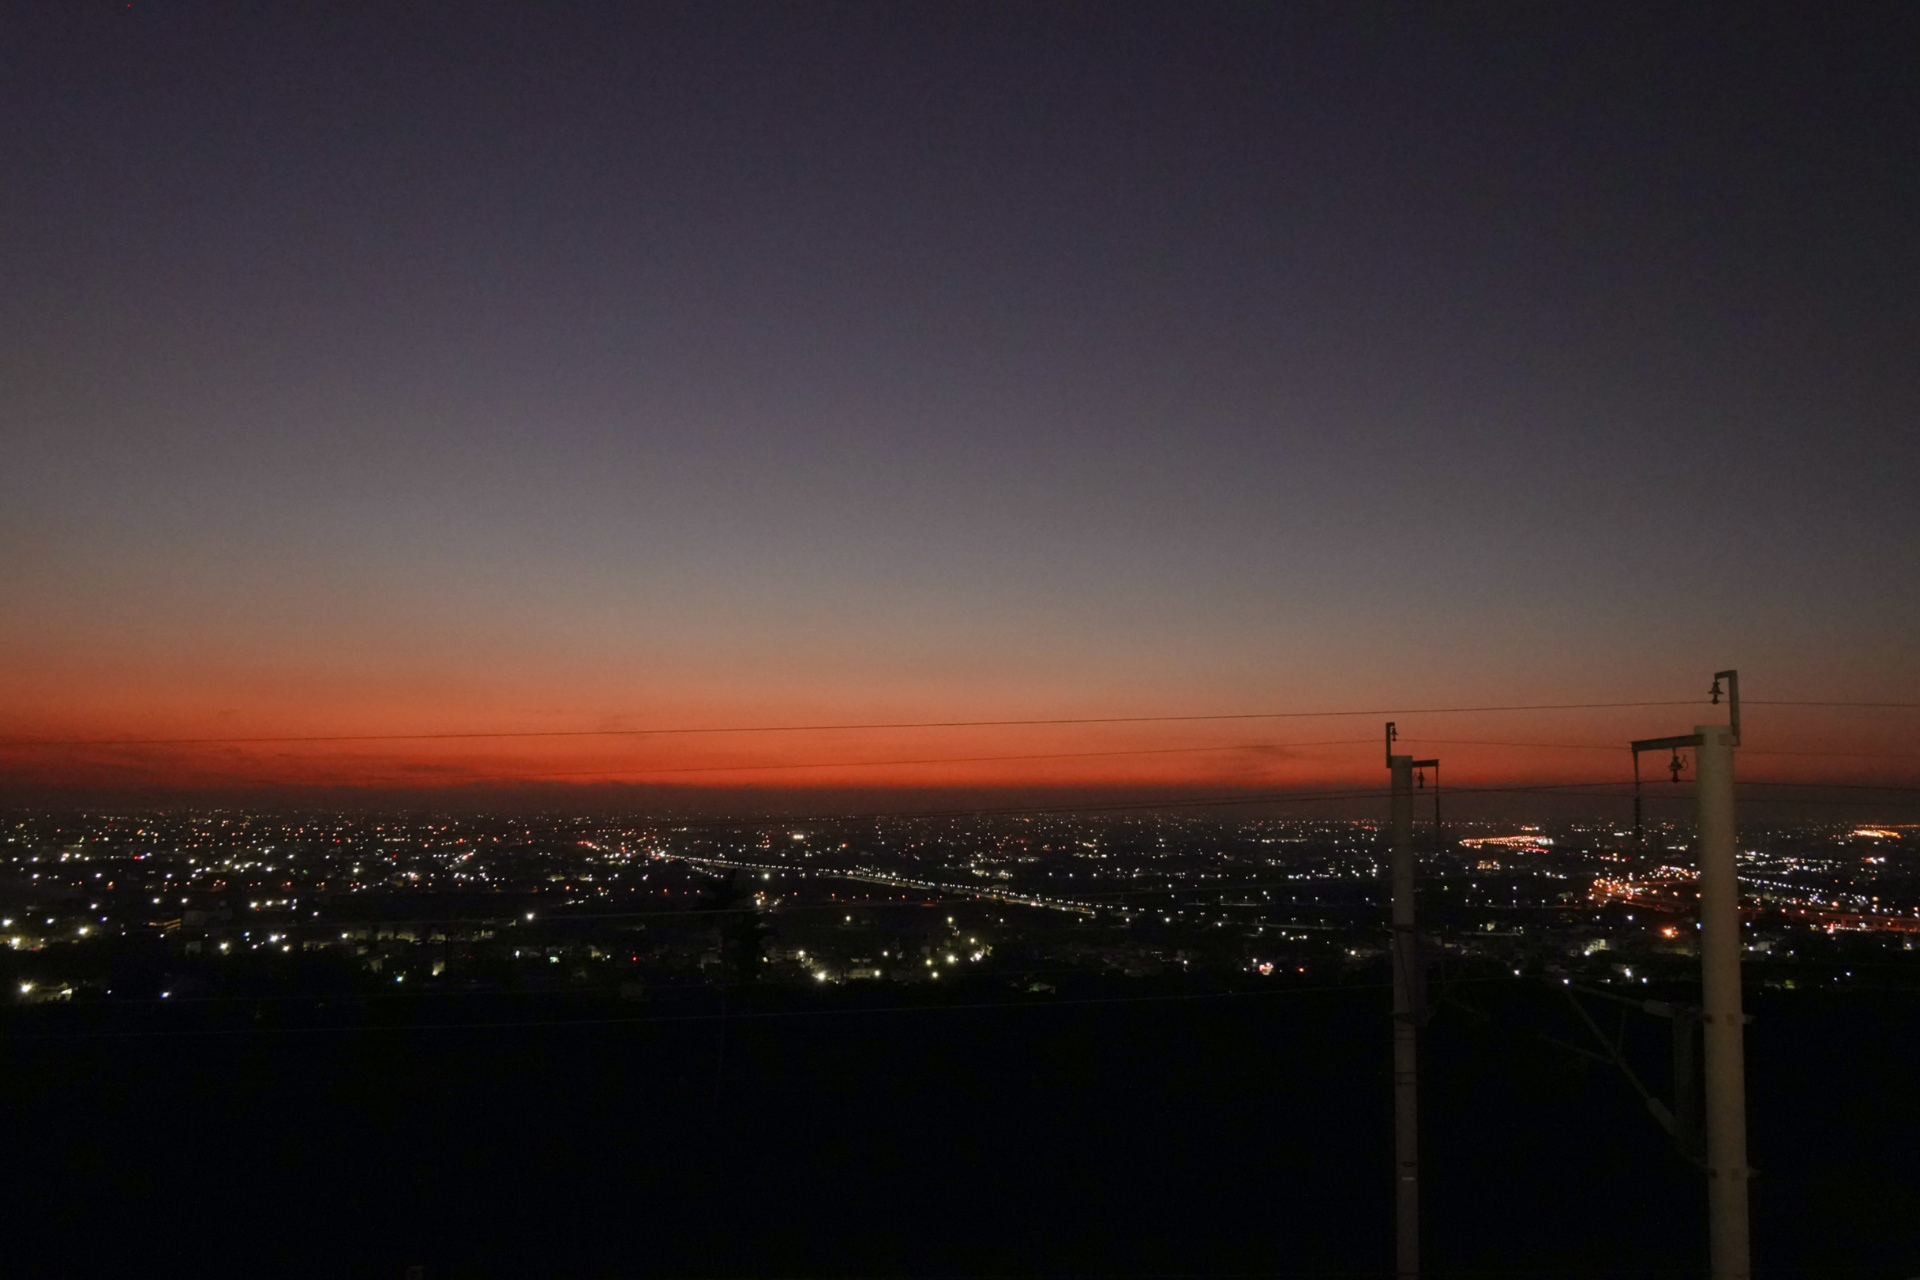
[(738, 931)]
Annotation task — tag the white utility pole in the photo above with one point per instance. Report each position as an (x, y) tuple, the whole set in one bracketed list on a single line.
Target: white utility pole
[(1720, 1011), (1730, 1249), (1406, 1020)]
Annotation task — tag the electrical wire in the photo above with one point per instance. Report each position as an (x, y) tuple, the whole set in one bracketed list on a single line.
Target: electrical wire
[(1183, 802), (1118, 806), (1870, 706), (1621, 746), (823, 728), (1038, 1003), (643, 771), (916, 724)]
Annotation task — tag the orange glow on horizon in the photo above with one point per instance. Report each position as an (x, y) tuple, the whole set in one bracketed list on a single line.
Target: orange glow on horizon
[(79, 733), (1200, 757)]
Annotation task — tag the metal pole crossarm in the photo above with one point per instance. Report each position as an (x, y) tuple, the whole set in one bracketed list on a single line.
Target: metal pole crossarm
[(1733, 699), (1658, 1008), (1438, 836), (1666, 744)]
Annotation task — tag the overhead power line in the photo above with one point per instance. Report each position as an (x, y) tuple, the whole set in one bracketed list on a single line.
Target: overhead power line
[(1118, 806), (1871, 706), (742, 1016), (617, 772), (831, 728), (1621, 746), (1031, 721), (1273, 798)]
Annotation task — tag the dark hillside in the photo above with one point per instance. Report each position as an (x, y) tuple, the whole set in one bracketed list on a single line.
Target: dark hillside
[(1235, 1135)]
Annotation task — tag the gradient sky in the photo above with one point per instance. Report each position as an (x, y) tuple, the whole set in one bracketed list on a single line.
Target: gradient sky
[(424, 367)]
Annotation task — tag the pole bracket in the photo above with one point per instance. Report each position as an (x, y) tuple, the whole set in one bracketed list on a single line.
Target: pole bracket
[(1666, 744)]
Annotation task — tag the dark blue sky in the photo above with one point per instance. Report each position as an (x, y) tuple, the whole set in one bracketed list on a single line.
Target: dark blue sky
[(543, 363)]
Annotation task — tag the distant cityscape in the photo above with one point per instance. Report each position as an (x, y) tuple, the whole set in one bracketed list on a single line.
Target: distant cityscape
[(184, 908)]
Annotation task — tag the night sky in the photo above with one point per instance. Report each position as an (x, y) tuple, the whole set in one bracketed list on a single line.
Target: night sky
[(460, 367)]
